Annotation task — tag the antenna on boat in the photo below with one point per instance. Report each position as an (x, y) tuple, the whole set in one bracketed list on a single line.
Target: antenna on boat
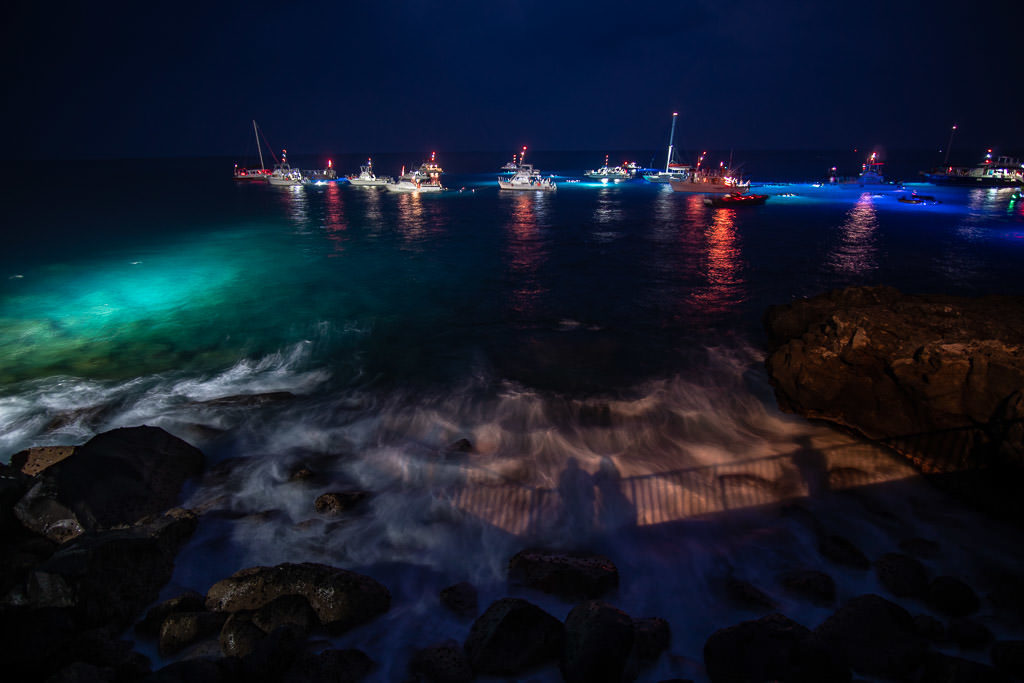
[(522, 156), (946, 162), (671, 139), (258, 147)]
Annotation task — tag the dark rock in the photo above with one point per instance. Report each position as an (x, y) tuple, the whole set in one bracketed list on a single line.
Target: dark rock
[(1008, 657), (512, 636), (189, 601), (940, 668), (196, 671), (330, 666), (842, 551), (568, 575), (302, 474), (274, 656), (930, 628), (181, 629), (102, 649), (921, 547), (40, 512), (338, 502), (28, 654), (444, 663), (1007, 598), (952, 597), (22, 556), (598, 642), (969, 634), (460, 446), (772, 648), (745, 595), (877, 637), (32, 461), (460, 598), (902, 575), (651, 637), (817, 587), (83, 672), (239, 636), (340, 598), (286, 610)]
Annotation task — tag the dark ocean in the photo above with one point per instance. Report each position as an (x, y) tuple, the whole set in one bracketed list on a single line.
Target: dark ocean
[(608, 331)]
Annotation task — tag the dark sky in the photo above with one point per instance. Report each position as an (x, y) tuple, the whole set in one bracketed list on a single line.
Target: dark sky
[(152, 79)]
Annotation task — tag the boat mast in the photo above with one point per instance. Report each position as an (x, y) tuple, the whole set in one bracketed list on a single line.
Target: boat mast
[(258, 148), (671, 139), (946, 162)]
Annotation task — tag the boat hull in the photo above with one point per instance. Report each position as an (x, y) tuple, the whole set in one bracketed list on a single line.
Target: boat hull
[(968, 181), (704, 187), (412, 187), (378, 182), (285, 182), (536, 187)]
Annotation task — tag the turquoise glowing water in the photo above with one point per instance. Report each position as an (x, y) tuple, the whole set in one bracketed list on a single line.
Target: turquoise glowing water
[(613, 325)]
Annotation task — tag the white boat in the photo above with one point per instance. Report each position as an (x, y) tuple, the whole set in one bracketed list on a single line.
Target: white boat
[(715, 182), (608, 173), (284, 175), (526, 178), (673, 171), (871, 171), (511, 166), (260, 173), (427, 178), (366, 177)]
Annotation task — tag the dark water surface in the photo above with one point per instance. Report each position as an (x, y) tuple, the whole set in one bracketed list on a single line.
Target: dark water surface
[(612, 331)]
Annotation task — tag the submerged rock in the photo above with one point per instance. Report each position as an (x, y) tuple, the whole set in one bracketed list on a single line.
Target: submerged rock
[(512, 636), (189, 601), (181, 629), (598, 643), (460, 598), (336, 503), (566, 574)]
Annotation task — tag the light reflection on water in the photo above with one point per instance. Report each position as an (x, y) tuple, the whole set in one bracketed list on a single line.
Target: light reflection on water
[(526, 248), (334, 216), (725, 286), (855, 253)]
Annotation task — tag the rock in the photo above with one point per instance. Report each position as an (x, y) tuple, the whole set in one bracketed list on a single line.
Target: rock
[(1008, 657), (877, 637), (32, 461), (969, 634), (339, 502), (890, 365), (180, 629), (286, 610), (745, 595), (512, 636), (651, 637), (460, 446), (444, 663), (340, 598), (40, 512), (460, 598), (189, 601), (841, 551), (952, 597), (598, 642), (330, 666), (930, 628), (770, 648), (196, 671), (1007, 598), (921, 547), (902, 575), (817, 587), (940, 668), (276, 654), (569, 575), (239, 636), (83, 672), (35, 640), (302, 474)]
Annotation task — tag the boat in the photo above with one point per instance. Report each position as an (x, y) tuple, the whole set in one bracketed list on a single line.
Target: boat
[(260, 173), (871, 171), (426, 178), (325, 175), (736, 199), (366, 177), (526, 178), (673, 170), (608, 173), (717, 181), (511, 166), (1004, 171), (286, 176), (915, 198)]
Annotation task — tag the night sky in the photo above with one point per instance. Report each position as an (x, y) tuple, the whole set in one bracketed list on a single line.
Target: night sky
[(153, 79)]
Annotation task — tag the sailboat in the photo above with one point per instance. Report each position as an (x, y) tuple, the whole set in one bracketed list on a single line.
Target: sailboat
[(260, 173), (673, 171)]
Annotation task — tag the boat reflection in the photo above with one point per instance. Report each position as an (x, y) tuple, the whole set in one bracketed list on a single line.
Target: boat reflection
[(296, 203), (526, 249), (856, 253), (334, 217), (725, 286)]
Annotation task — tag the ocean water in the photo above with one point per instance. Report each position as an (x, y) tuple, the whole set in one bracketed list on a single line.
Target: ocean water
[(600, 347)]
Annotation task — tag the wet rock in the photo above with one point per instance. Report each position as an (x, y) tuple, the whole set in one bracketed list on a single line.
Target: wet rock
[(460, 446), (189, 601), (239, 636), (969, 634), (1008, 657), (444, 663), (338, 502), (598, 642), (276, 654), (461, 599), (181, 629), (921, 547), (842, 551), (930, 628), (902, 575), (512, 636), (651, 637), (40, 512), (569, 575), (952, 597), (286, 610), (770, 648), (330, 666), (745, 595), (877, 637), (817, 587), (340, 598), (940, 668), (302, 474), (32, 461)]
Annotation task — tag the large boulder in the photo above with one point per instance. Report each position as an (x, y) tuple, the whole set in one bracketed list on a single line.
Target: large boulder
[(512, 636), (340, 598), (902, 575), (570, 575), (877, 637), (893, 365), (598, 643)]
